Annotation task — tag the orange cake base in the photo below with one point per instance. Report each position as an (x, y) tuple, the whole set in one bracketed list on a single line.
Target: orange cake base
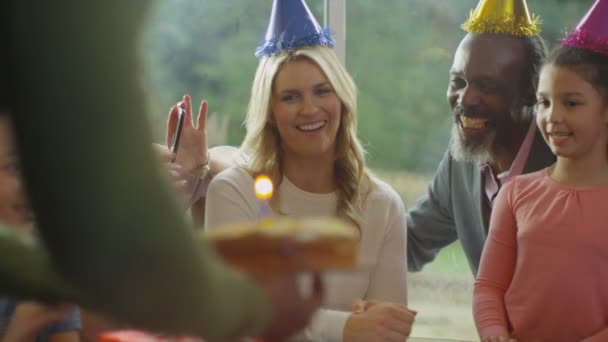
[(288, 244)]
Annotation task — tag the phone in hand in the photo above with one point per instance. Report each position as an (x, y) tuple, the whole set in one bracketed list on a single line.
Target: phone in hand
[(178, 129)]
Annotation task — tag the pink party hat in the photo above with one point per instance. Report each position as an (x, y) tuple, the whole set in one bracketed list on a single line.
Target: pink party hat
[(592, 32)]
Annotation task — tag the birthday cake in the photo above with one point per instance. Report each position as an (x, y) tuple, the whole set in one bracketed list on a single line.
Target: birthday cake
[(287, 244)]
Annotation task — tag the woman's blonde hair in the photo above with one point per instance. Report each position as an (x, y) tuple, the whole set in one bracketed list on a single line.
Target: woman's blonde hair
[(264, 143)]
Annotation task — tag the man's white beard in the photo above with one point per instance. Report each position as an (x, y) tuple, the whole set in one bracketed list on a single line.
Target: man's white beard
[(471, 151)]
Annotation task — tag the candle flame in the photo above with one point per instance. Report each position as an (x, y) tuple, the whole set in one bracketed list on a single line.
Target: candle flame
[(263, 187)]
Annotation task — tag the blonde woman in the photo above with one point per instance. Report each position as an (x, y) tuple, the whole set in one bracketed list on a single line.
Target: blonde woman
[(301, 131)]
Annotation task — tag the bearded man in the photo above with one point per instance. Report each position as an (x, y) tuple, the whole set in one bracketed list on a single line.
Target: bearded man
[(492, 96)]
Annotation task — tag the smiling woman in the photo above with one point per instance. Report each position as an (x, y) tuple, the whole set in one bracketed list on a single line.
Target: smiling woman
[(310, 109), (306, 111), (301, 131)]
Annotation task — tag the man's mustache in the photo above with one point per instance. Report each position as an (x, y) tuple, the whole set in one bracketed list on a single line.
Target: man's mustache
[(472, 112)]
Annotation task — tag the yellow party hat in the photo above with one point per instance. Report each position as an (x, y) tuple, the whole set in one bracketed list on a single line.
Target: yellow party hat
[(503, 16)]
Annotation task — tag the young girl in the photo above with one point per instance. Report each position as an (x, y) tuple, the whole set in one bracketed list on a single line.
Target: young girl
[(543, 273), (26, 321)]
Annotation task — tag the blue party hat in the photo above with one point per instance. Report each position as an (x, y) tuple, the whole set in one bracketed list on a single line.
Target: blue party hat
[(292, 25)]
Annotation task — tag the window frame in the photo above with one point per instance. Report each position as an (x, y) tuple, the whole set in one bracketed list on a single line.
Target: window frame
[(334, 17)]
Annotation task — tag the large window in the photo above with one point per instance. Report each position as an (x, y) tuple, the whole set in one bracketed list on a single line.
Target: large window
[(399, 52)]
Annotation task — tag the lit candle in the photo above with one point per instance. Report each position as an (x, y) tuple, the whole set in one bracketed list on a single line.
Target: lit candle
[(263, 191)]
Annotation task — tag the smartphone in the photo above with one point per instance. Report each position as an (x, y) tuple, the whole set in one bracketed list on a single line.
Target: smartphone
[(178, 129)]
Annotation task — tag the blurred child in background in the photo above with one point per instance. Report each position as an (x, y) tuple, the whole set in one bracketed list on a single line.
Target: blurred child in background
[(20, 320)]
